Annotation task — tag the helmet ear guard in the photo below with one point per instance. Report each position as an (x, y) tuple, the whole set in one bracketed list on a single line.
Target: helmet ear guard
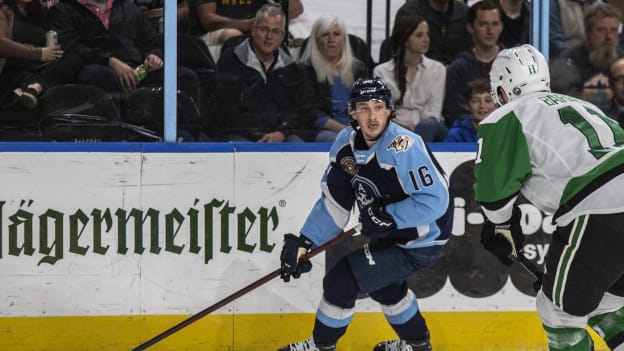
[(366, 89), (518, 71)]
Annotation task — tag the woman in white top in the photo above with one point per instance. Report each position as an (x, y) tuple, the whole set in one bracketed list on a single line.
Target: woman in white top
[(416, 81)]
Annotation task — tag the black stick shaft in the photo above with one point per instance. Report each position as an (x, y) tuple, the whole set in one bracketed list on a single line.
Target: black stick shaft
[(530, 267), (241, 292)]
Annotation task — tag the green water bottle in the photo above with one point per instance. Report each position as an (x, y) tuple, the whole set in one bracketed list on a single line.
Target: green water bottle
[(141, 71)]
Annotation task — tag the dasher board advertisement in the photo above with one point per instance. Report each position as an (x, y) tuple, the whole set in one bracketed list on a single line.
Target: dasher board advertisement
[(148, 231)]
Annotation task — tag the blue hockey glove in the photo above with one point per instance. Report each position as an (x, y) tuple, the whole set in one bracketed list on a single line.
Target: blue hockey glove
[(294, 247), (504, 240), (376, 222)]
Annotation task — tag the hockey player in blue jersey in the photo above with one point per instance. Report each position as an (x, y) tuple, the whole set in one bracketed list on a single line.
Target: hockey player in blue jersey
[(403, 200)]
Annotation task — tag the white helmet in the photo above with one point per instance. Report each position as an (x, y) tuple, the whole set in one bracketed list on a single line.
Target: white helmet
[(519, 71)]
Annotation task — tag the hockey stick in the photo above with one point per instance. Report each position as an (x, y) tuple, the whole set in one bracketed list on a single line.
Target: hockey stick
[(531, 268), (244, 290)]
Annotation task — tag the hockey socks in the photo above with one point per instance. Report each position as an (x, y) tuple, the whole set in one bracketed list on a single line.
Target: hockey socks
[(568, 339), (405, 318), (331, 322), (610, 326)]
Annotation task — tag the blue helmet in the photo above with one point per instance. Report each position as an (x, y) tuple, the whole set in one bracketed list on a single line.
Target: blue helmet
[(366, 89)]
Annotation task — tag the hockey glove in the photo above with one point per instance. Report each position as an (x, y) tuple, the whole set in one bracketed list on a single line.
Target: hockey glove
[(376, 222), (504, 240), (294, 247)]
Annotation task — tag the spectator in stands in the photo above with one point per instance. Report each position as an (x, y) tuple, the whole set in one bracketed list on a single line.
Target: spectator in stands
[(485, 26), (583, 70), (154, 10), (47, 4), (480, 105), (27, 66), (616, 81), (447, 28), (516, 18), (114, 38), (416, 81), (217, 20), (249, 101), (567, 29), (192, 52), (327, 69)]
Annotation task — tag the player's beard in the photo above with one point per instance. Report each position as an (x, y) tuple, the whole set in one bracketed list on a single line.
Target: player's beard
[(602, 57)]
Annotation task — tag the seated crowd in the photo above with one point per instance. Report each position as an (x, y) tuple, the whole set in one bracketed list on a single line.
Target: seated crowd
[(64, 62)]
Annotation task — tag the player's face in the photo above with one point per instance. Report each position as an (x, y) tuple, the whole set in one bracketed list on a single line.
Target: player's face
[(486, 28), (481, 105), (331, 43), (267, 34), (372, 117), (418, 41)]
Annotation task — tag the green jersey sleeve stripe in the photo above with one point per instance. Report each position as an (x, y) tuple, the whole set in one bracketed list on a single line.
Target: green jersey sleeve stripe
[(503, 161)]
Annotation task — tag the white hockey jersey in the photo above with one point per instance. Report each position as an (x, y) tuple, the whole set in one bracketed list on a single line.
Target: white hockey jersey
[(563, 154)]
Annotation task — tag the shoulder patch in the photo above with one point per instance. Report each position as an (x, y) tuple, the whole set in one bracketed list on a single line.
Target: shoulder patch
[(348, 164), (401, 143)]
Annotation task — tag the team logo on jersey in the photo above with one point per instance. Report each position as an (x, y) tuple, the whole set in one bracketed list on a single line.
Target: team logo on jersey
[(401, 143), (365, 191), (348, 164)]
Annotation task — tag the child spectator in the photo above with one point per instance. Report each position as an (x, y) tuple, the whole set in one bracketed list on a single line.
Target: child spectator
[(480, 105)]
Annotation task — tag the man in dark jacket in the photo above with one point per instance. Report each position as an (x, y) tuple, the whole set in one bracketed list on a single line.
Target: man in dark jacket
[(215, 21), (516, 17), (251, 80), (114, 38), (485, 25)]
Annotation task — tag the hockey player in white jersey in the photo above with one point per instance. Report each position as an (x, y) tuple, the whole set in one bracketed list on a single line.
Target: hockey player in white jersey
[(566, 157), (403, 198)]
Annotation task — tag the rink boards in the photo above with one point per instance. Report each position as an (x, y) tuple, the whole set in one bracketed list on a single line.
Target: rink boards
[(104, 246)]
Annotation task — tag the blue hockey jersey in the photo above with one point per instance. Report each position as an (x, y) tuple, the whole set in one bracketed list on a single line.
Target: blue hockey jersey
[(398, 165)]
